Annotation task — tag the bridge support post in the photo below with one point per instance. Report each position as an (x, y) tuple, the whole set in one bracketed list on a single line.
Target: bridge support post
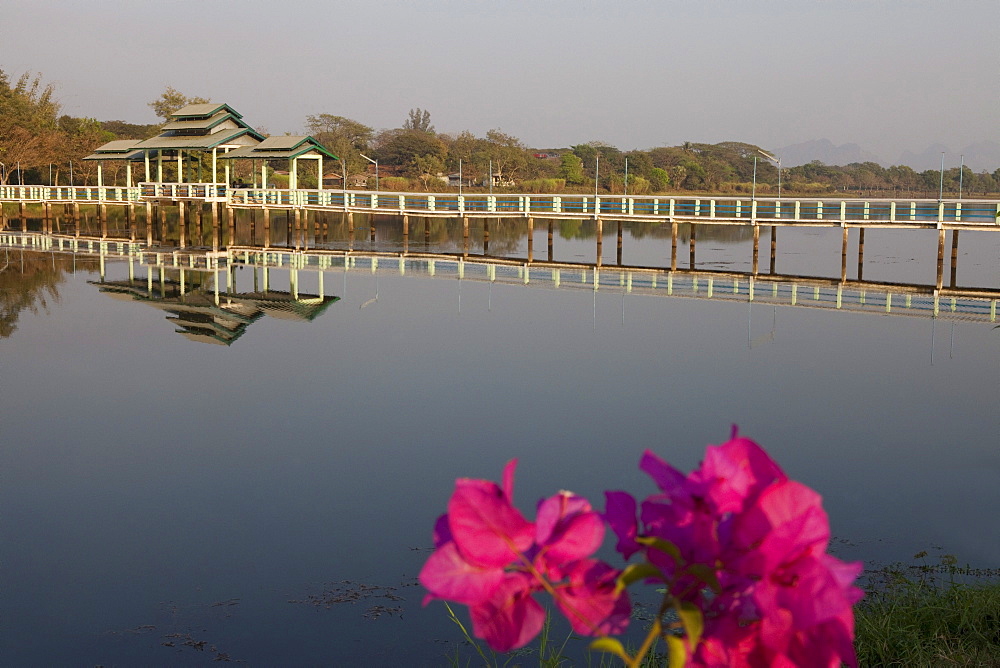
[(843, 255), (550, 239), (600, 241), (267, 228), (861, 253), (954, 256), (774, 247), (694, 236), (531, 239), (427, 230), (619, 252), (673, 246), (371, 226), (22, 213), (756, 249), (486, 236), (182, 224), (75, 215)]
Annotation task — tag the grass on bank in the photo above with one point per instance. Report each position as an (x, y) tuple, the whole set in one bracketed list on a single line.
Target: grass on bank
[(918, 615), (929, 615)]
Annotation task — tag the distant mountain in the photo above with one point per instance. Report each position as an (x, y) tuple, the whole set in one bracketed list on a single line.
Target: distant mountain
[(825, 151), (978, 156)]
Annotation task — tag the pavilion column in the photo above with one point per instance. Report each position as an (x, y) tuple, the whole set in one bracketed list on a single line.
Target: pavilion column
[(215, 164), (180, 166), (293, 178), (128, 174), (226, 167), (319, 173), (100, 174), (263, 173), (145, 160), (159, 166)]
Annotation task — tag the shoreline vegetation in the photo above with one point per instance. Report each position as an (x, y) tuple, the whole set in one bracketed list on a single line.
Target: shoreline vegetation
[(916, 615), (41, 146)]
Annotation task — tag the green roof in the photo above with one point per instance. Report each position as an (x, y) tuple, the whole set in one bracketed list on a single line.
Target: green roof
[(282, 147), (202, 111), (198, 142)]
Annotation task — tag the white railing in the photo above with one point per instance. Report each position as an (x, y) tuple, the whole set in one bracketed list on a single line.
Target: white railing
[(707, 209)]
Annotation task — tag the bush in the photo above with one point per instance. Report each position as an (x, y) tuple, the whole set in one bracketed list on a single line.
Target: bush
[(544, 185)]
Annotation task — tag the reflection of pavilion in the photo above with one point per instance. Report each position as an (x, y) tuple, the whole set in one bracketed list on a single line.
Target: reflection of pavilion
[(202, 316)]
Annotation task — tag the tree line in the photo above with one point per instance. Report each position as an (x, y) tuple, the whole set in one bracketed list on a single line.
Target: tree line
[(39, 145)]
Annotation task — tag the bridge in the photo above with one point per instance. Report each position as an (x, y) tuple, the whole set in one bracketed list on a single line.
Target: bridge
[(705, 209)]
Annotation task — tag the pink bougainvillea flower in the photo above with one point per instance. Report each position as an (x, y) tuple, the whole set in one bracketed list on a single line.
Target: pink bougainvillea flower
[(489, 557), (487, 528), (511, 617), (589, 600), (566, 529)]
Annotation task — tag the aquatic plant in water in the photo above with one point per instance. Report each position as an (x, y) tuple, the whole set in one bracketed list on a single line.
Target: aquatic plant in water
[(737, 547)]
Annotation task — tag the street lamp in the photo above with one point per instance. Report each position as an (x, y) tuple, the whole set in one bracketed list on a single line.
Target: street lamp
[(374, 162), (941, 185), (961, 173), (777, 161)]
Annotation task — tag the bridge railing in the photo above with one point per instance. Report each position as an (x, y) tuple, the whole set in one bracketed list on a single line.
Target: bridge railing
[(733, 209), (37, 193)]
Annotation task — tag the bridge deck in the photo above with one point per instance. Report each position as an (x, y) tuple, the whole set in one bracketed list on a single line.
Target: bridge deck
[(713, 209)]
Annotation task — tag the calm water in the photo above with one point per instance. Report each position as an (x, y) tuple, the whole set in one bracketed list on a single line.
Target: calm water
[(166, 501)]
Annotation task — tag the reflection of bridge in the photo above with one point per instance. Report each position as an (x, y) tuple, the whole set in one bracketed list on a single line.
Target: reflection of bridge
[(859, 296)]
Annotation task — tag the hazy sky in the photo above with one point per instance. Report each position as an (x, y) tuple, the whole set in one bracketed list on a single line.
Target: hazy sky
[(888, 75)]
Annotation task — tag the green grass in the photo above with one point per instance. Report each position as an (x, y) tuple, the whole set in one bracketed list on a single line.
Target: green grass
[(913, 616), (929, 615)]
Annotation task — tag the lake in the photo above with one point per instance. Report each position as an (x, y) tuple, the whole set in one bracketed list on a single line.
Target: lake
[(171, 502)]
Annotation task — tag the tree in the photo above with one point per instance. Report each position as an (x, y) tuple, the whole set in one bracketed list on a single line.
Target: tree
[(345, 138), (419, 120), (571, 169), (399, 147), (506, 152), (28, 130), (659, 180), (170, 101)]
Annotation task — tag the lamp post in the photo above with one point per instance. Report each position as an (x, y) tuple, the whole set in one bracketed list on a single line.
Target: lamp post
[(753, 191), (961, 173), (941, 184), (459, 177), (597, 174), (626, 177), (374, 162), (777, 161)]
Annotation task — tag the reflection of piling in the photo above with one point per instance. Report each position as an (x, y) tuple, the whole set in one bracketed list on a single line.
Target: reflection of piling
[(550, 239), (486, 236), (371, 227)]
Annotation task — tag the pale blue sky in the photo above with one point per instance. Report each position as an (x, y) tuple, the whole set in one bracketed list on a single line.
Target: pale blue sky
[(888, 75)]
